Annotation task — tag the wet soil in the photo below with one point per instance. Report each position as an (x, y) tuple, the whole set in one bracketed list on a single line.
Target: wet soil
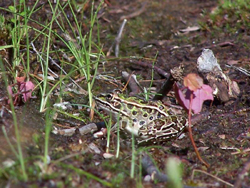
[(154, 36)]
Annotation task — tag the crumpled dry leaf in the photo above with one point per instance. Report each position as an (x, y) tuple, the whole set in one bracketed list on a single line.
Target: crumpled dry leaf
[(193, 81)]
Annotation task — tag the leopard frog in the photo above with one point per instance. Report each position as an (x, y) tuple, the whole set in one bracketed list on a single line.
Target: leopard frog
[(149, 121)]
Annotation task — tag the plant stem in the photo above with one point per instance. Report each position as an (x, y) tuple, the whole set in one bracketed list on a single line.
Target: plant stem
[(17, 134), (87, 174), (132, 169), (190, 132)]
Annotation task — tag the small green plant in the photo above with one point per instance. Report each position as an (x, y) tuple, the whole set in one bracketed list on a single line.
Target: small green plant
[(174, 172), (230, 16), (19, 152), (22, 42), (109, 126), (86, 60)]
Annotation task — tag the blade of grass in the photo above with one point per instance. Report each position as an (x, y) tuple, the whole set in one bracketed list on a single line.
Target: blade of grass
[(17, 134), (45, 85), (118, 136), (46, 66), (87, 174), (8, 141), (132, 168), (108, 134)]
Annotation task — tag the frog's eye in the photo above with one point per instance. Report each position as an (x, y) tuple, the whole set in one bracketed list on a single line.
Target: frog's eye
[(117, 104), (109, 97), (117, 91)]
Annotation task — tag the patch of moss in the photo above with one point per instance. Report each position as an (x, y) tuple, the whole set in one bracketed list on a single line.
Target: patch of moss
[(230, 17)]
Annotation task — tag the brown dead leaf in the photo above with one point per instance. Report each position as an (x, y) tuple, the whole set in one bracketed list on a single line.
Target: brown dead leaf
[(193, 81), (222, 136), (20, 79), (233, 62)]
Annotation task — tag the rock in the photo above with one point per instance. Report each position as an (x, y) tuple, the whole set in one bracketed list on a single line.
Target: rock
[(223, 87)]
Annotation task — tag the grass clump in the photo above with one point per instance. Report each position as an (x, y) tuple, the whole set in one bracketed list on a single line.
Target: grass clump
[(29, 50), (230, 17)]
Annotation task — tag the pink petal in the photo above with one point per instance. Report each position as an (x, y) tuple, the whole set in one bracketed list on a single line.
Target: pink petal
[(201, 95), (181, 98), (9, 88), (29, 86)]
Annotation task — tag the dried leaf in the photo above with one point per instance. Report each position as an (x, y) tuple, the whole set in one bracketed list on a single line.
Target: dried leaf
[(199, 96), (193, 81), (20, 79), (233, 62), (108, 155), (9, 88), (28, 88)]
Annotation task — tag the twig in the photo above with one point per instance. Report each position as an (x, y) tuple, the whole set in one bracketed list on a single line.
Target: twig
[(92, 127), (215, 177), (152, 170), (221, 44), (244, 71), (131, 82), (165, 88), (136, 13), (117, 40), (176, 74), (54, 63), (241, 152), (34, 48), (68, 157), (157, 69), (73, 81)]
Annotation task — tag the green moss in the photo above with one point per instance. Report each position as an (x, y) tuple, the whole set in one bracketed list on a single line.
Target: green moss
[(230, 16)]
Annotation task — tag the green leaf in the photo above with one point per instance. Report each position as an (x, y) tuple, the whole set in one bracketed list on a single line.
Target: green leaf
[(12, 9), (23, 14), (7, 46), (174, 172)]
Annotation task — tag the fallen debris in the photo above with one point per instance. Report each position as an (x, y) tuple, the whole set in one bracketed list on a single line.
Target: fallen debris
[(223, 87)]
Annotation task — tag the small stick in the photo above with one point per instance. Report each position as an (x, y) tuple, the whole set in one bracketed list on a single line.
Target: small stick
[(136, 13), (244, 71), (152, 170), (38, 53), (165, 88), (215, 177), (73, 81), (131, 82), (54, 63), (92, 127), (222, 44), (157, 69), (117, 40)]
